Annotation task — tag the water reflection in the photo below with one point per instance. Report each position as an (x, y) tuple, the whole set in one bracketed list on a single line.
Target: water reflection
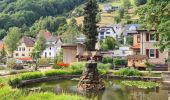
[(114, 91)]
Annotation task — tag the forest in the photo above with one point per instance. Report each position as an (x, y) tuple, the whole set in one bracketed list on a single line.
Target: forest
[(32, 15)]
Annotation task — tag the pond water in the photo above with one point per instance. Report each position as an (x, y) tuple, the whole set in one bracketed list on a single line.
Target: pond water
[(114, 90)]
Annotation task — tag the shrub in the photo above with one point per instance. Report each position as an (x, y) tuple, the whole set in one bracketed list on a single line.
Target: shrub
[(119, 61), (104, 66), (31, 75), (63, 72), (103, 72), (11, 63), (128, 72), (77, 66), (14, 81), (43, 61), (56, 72), (106, 60)]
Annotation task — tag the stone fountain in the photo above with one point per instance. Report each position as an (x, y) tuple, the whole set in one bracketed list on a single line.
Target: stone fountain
[(90, 79)]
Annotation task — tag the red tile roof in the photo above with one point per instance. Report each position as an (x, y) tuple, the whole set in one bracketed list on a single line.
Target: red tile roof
[(29, 41), (136, 46), (47, 34)]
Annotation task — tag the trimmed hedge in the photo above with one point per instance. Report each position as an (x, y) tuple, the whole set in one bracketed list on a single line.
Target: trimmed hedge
[(34, 75), (128, 72)]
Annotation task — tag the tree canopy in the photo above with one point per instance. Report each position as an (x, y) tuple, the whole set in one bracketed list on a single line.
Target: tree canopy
[(12, 39), (90, 27), (156, 15), (24, 13)]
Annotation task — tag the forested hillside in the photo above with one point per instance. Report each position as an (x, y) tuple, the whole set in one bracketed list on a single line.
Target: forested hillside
[(24, 13)]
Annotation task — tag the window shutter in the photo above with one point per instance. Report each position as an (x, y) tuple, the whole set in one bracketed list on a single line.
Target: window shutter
[(147, 52), (157, 37), (147, 36), (157, 53)]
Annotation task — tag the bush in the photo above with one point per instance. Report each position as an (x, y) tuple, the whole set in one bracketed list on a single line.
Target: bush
[(11, 63), (14, 81), (56, 72), (63, 72), (104, 66), (77, 66), (106, 60), (43, 62), (31, 75), (103, 72), (128, 72), (119, 61)]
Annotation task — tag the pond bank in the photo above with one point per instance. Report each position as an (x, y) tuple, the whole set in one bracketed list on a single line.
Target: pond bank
[(58, 77)]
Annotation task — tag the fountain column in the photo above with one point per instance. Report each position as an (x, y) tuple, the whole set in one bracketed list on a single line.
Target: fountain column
[(90, 79)]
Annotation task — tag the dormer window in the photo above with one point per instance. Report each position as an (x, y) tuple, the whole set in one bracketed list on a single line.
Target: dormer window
[(107, 32)]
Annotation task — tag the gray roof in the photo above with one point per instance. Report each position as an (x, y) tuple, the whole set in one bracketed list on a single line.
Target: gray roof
[(131, 29)]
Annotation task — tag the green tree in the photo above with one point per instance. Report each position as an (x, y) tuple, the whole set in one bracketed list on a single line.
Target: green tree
[(129, 40), (12, 39), (70, 31), (108, 44), (90, 27), (39, 47), (126, 4), (156, 15)]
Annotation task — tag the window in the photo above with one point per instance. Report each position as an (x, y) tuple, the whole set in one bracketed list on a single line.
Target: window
[(16, 54), (50, 53), (19, 49), (123, 52), (23, 49), (101, 37), (29, 49), (152, 37), (101, 33), (152, 53), (50, 48), (138, 38), (107, 32), (23, 54)]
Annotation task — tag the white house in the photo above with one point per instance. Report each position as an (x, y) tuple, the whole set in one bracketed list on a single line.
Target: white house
[(109, 8), (110, 30), (53, 47), (122, 52)]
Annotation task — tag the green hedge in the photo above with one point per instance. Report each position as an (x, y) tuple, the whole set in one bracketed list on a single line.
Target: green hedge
[(120, 61), (128, 72)]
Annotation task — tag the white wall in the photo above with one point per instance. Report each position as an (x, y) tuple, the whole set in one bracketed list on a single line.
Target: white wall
[(111, 33)]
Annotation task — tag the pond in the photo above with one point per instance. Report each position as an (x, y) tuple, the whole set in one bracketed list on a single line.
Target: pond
[(114, 90)]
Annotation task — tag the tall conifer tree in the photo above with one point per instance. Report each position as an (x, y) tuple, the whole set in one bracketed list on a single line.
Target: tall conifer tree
[(90, 27)]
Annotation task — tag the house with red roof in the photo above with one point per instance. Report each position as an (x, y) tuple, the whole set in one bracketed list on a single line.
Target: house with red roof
[(25, 47), (53, 45)]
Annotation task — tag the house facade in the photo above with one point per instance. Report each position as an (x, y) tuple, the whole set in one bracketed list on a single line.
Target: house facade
[(110, 30), (25, 48), (53, 45), (70, 51), (144, 44), (122, 52)]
